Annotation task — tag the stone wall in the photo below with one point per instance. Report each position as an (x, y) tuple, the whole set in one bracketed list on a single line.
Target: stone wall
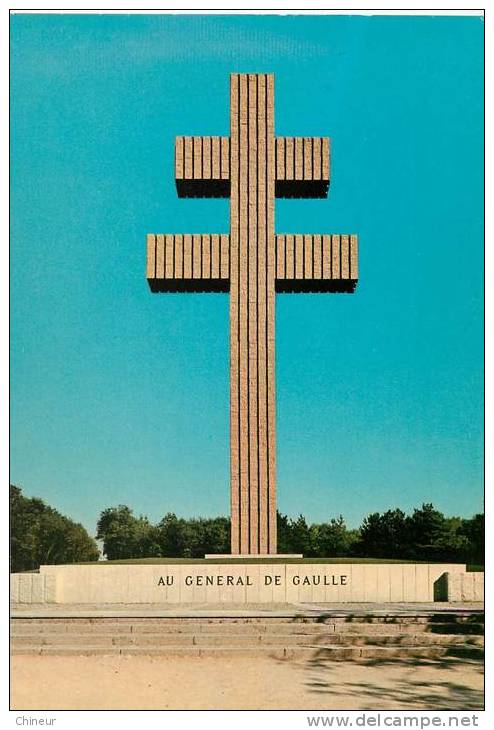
[(33, 588), (242, 583), (462, 586)]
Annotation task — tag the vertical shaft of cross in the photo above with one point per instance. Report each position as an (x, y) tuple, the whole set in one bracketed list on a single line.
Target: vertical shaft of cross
[(252, 315), (251, 166)]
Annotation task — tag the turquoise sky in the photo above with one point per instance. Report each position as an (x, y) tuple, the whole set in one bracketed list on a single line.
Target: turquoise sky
[(121, 396)]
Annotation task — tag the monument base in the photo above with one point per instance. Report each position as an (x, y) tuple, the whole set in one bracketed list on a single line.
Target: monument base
[(250, 582), (246, 556)]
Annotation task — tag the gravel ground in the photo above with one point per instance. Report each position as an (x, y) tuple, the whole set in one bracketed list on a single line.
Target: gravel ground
[(190, 683)]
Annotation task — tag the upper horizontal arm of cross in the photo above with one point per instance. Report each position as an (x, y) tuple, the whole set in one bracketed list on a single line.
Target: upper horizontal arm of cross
[(301, 164)]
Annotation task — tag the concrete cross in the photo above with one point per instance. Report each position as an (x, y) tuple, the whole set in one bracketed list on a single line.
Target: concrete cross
[(252, 167)]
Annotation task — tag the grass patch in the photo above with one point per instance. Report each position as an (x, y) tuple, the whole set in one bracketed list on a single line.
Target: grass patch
[(250, 561)]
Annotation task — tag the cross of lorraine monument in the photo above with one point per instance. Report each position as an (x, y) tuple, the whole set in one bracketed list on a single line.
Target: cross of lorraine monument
[(252, 167)]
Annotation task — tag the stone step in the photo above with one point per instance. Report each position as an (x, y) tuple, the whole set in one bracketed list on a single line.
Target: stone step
[(22, 626), (328, 653), (423, 639), (439, 617), (435, 628), (232, 632), (220, 639), (194, 627), (317, 619)]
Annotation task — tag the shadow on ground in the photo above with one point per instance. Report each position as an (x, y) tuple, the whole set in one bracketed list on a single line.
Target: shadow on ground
[(402, 686), (450, 682)]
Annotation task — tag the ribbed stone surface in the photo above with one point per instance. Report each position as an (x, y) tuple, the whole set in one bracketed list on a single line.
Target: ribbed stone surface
[(252, 167)]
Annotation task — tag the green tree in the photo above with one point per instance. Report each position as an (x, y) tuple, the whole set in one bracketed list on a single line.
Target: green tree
[(427, 532), (24, 530), (215, 536), (41, 535), (384, 535), (330, 539), (173, 536), (474, 531), (194, 538), (283, 533), (300, 536), (450, 544), (126, 536)]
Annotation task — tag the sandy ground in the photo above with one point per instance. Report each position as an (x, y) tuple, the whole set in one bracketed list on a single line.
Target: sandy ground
[(160, 683)]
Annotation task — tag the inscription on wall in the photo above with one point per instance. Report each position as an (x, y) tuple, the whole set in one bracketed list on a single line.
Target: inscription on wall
[(249, 580)]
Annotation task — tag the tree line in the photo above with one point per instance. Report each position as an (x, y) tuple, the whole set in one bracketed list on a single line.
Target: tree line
[(41, 535), (426, 534)]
